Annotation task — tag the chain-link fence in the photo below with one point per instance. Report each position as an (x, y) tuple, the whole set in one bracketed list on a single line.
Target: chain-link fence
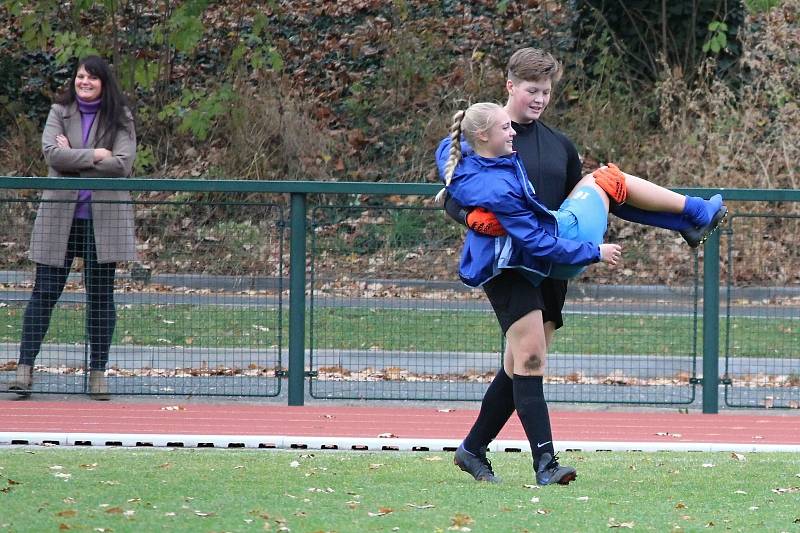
[(394, 327), (760, 335), (199, 313)]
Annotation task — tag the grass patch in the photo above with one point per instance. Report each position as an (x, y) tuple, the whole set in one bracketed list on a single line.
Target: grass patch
[(406, 330), (213, 490)]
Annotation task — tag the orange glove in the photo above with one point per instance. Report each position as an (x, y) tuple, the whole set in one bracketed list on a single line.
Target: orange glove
[(484, 222), (612, 181)]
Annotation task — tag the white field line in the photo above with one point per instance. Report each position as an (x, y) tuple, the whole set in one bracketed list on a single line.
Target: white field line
[(287, 442)]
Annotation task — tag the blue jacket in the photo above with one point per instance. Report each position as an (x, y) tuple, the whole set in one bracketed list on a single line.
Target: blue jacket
[(502, 186)]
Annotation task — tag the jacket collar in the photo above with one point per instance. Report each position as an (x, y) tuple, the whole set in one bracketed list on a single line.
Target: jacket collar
[(74, 130), (504, 161)]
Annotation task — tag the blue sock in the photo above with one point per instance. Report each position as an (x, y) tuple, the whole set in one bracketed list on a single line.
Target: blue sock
[(695, 211), (671, 221), (700, 212)]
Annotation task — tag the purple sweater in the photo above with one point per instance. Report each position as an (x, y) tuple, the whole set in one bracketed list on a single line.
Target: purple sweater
[(83, 209)]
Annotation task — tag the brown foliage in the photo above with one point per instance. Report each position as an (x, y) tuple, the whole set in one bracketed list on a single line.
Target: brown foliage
[(746, 136)]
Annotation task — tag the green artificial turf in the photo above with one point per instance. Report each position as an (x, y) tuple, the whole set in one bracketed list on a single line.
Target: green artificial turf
[(97, 489)]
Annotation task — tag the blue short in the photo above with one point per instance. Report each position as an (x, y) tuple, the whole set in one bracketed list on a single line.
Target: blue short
[(581, 217)]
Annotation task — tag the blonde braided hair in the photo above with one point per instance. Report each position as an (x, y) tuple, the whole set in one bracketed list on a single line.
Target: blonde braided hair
[(455, 152), (476, 119)]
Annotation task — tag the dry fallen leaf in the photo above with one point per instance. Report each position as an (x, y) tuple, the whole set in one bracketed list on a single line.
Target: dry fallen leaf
[(613, 523), (461, 519), (325, 490), (680, 505), (67, 513), (415, 506)]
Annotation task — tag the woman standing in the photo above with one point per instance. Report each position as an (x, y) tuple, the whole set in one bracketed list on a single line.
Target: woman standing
[(89, 133)]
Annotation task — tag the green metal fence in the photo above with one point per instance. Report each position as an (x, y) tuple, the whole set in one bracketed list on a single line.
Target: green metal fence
[(375, 311)]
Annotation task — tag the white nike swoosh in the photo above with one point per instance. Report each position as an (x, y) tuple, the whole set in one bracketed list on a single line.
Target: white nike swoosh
[(543, 444)]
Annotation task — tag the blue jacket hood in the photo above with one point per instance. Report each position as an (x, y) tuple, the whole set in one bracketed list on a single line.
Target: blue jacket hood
[(501, 186)]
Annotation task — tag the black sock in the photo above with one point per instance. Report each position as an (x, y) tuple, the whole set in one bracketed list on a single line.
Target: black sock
[(532, 412), (497, 407)]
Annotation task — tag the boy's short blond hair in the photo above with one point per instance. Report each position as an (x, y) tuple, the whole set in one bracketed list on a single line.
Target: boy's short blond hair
[(533, 64)]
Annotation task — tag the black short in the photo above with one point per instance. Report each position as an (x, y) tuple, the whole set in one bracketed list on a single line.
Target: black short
[(512, 296)]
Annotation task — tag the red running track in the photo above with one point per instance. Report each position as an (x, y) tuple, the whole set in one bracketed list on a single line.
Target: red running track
[(165, 417)]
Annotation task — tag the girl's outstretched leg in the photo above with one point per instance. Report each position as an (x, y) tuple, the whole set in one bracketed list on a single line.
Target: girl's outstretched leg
[(651, 204)]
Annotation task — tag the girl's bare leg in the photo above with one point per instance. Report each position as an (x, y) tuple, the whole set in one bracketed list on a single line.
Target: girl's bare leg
[(642, 194), (651, 197)]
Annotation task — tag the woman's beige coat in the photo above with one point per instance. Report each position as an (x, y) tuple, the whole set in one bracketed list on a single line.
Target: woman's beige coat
[(113, 222)]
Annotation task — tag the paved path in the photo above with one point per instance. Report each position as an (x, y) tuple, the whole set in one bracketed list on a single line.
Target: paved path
[(169, 422)]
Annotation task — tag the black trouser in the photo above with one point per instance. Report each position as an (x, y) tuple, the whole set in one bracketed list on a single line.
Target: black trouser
[(101, 316)]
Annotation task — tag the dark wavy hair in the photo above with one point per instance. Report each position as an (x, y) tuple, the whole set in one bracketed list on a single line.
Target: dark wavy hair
[(113, 105)]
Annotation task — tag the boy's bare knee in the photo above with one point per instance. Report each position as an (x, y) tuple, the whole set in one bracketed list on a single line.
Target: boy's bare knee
[(534, 362)]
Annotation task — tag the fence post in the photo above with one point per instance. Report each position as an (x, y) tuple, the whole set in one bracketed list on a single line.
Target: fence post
[(711, 324), (297, 299)]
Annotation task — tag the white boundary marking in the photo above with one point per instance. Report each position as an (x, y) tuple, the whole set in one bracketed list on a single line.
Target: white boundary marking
[(288, 442)]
